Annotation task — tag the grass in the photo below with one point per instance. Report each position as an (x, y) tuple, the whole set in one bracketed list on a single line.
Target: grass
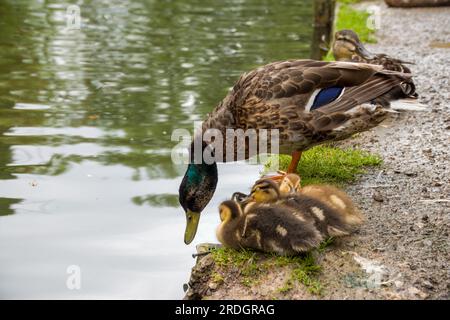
[(330, 165), (245, 260), (252, 265), (304, 271), (349, 18), (217, 278)]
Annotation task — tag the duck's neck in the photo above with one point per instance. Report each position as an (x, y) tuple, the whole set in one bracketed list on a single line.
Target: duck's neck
[(199, 182)]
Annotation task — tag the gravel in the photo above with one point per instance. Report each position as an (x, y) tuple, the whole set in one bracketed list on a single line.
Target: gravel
[(407, 200)]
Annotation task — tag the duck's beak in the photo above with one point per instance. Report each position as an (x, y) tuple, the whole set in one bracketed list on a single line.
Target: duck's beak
[(192, 219), (363, 52)]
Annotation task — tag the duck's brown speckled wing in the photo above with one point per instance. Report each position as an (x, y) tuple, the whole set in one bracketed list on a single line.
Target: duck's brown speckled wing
[(274, 96)]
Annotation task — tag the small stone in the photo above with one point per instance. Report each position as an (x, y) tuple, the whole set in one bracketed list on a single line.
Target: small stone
[(212, 285), (428, 285), (377, 196), (410, 173), (416, 292), (427, 243), (394, 296)]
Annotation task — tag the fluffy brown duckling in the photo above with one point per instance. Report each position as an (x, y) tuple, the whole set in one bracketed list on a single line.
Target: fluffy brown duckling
[(331, 196), (266, 227), (327, 219)]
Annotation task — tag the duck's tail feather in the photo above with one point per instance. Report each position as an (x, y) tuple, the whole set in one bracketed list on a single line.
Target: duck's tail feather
[(408, 105)]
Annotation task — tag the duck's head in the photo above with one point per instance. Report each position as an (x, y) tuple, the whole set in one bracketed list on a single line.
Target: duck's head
[(347, 45), (290, 184), (196, 190), (229, 210), (265, 190)]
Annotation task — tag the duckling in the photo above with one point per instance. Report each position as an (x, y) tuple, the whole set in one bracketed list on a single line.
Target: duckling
[(266, 227), (348, 47), (327, 219), (331, 196)]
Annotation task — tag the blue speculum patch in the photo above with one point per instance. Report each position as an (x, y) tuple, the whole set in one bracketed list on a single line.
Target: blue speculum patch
[(325, 96)]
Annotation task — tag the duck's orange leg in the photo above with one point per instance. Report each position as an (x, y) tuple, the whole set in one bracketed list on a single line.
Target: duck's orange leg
[(292, 168), (296, 156)]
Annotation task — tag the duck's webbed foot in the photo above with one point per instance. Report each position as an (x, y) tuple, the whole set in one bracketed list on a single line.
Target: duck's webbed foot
[(276, 177)]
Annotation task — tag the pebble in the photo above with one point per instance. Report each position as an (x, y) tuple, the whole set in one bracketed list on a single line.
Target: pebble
[(427, 284), (416, 292), (377, 196), (213, 285)]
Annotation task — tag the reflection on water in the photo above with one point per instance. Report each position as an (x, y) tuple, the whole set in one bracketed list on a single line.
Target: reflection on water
[(85, 123)]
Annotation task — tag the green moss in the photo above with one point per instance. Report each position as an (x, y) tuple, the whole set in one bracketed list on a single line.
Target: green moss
[(217, 278), (304, 271), (252, 265), (325, 244), (326, 164), (288, 286), (225, 257), (246, 261)]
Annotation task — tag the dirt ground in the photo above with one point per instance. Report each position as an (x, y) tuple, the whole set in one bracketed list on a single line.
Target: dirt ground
[(402, 251)]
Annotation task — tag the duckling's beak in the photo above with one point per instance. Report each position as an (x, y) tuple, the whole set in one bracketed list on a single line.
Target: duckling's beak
[(247, 200), (192, 219)]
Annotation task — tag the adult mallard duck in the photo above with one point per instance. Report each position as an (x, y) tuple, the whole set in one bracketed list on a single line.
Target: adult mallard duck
[(308, 102)]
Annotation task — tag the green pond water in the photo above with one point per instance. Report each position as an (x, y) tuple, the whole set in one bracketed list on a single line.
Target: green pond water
[(86, 117)]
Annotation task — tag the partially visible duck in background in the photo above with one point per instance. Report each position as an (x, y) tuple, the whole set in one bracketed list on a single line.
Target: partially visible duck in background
[(348, 47)]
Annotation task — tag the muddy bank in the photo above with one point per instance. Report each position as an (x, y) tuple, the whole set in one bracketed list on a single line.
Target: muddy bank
[(402, 250)]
